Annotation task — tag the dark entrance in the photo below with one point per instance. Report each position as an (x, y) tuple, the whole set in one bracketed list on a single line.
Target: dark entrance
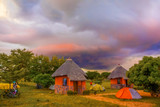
[(126, 83), (75, 84), (118, 81)]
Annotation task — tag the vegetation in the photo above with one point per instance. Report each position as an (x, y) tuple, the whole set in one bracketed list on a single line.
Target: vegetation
[(71, 92), (146, 74), (146, 99), (94, 75), (86, 92), (23, 64), (15, 66), (104, 75), (31, 97), (44, 79)]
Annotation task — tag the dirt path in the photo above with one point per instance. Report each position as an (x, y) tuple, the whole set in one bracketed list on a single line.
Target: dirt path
[(116, 101)]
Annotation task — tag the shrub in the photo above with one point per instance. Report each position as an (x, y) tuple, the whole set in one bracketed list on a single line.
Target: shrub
[(71, 92), (44, 79), (98, 82), (86, 92)]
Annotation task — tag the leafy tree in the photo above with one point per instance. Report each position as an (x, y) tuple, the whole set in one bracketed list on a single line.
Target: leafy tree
[(44, 79), (8, 70), (56, 62), (104, 75), (15, 66), (22, 58), (92, 75), (147, 74), (40, 65)]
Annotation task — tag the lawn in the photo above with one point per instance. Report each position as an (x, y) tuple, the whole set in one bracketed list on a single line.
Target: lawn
[(31, 97), (146, 99)]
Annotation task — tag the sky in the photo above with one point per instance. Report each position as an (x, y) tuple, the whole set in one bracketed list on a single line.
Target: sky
[(96, 34)]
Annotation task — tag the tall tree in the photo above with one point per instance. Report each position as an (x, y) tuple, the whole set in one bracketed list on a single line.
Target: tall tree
[(8, 71), (15, 66), (56, 62), (93, 75), (22, 58), (104, 75), (147, 74), (40, 65)]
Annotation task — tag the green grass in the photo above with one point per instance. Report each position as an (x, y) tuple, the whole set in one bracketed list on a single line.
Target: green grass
[(32, 97), (152, 100), (106, 84)]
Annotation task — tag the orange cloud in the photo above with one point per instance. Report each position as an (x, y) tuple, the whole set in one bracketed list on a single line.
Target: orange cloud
[(59, 48)]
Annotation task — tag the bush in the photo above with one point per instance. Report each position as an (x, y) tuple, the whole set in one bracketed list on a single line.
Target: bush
[(86, 92), (71, 92), (98, 82), (44, 79)]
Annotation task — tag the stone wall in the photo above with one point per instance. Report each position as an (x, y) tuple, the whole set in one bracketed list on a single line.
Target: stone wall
[(117, 86), (59, 89)]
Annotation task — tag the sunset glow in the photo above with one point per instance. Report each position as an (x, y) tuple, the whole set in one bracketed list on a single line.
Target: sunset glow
[(97, 34)]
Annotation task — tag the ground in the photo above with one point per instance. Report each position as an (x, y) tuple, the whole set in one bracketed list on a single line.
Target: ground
[(31, 97)]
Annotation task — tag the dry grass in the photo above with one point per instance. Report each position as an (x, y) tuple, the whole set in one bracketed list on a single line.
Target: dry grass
[(31, 97)]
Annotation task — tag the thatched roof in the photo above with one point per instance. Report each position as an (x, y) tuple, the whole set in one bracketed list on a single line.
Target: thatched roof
[(72, 70), (119, 72)]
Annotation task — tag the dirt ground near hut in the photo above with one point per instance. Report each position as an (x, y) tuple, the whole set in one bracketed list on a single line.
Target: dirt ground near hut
[(100, 97)]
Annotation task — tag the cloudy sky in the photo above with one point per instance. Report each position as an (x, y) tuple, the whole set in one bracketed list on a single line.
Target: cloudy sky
[(97, 34)]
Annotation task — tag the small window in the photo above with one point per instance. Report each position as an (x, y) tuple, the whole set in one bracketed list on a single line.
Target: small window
[(118, 81), (64, 81)]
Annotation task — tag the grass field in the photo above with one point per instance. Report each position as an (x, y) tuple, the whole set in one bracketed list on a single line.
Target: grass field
[(32, 97), (152, 100)]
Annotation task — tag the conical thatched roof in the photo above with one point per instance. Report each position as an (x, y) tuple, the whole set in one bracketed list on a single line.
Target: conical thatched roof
[(119, 72), (72, 70)]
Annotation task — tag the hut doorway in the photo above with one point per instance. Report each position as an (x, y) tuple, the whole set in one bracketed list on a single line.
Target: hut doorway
[(75, 84), (126, 83)]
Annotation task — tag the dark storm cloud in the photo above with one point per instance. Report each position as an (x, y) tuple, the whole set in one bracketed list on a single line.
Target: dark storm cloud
[(95, 33)]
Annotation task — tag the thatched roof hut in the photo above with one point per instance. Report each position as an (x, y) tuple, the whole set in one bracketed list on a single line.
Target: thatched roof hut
[(118, 77), (72, 70), (118, 72), (69, 76)]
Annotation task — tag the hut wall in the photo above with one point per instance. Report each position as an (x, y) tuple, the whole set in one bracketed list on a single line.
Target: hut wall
[(123, 81), (59, 88), (113, 81), (81, 86), (115, 85)]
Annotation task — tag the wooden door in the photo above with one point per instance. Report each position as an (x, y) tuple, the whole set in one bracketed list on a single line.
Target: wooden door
[(75, 84)]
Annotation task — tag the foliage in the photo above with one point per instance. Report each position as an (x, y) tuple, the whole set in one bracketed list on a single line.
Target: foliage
[(93, 75), (146, 73), (104, 75), (15, 66), (86, 92), (71, 92), (40, 65), (98, 82), (44, 79), (22, 63), (56, 62), (31, 97)]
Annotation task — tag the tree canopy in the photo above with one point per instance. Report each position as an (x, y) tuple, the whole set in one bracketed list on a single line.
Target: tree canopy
[(146, 73), (104, 75), (23, 64), (14, 66), (93, 75)]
